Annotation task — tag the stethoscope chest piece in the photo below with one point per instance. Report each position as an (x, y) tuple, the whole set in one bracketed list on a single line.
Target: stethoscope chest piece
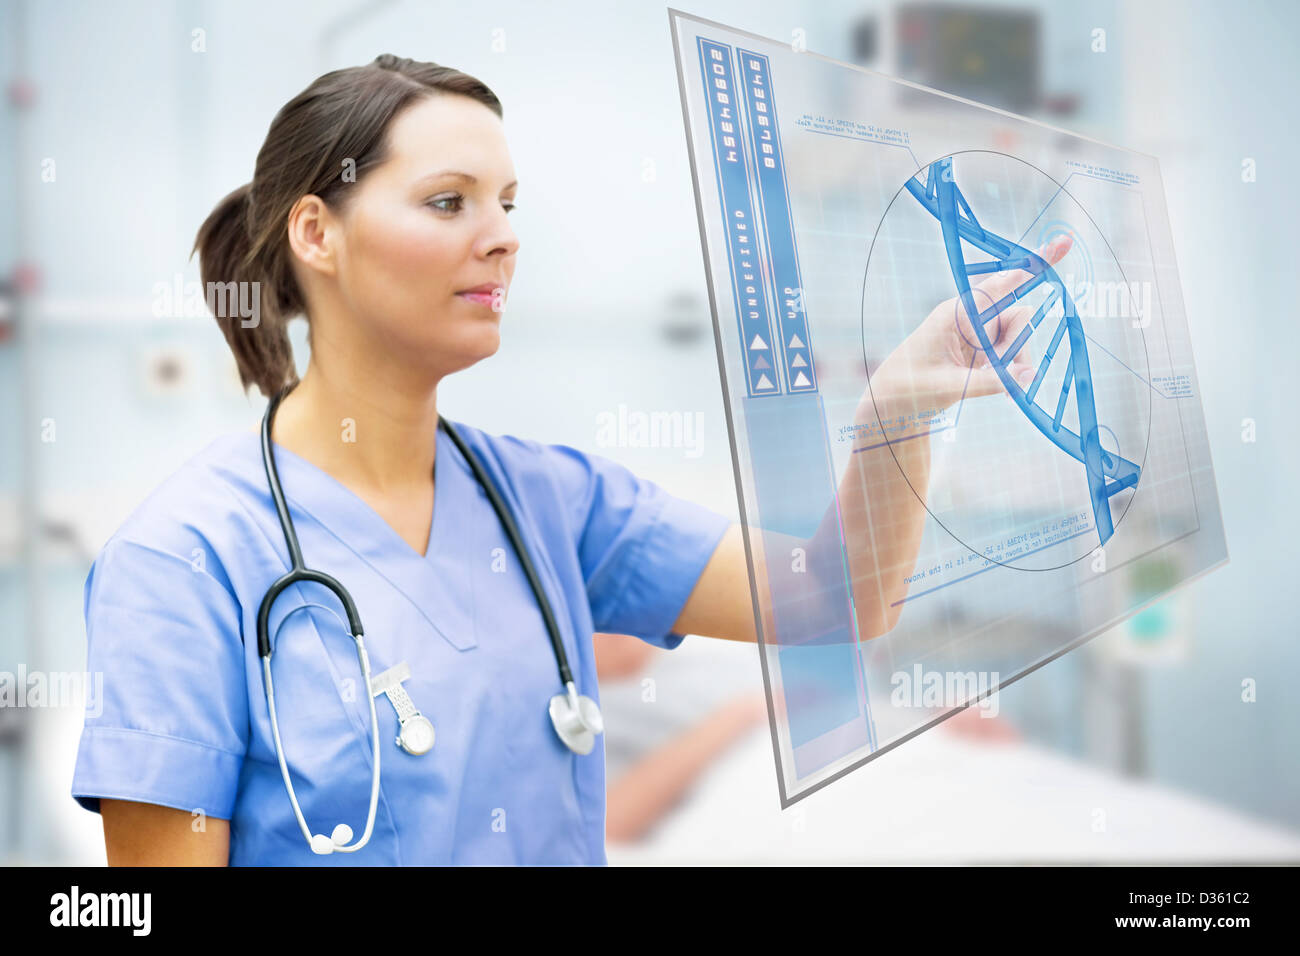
[(576, 719)]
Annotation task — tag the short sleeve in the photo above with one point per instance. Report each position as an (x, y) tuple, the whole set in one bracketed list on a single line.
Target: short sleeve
[(641, 549), (167, 705)]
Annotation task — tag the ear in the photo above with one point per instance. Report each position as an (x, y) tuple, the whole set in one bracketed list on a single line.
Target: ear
[(313, 233)]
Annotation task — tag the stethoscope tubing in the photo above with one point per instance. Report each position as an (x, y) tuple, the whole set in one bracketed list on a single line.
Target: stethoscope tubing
[(516, 540)]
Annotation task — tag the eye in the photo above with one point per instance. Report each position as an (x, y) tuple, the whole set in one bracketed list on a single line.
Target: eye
[(456, 199)]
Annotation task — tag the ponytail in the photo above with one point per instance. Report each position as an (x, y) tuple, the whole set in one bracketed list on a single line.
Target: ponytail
[(231, 273)]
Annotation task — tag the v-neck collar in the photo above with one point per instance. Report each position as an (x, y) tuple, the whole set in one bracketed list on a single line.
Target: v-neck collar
[(436, 584)]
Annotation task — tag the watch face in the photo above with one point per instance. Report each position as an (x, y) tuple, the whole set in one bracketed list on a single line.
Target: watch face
[(417, 735)]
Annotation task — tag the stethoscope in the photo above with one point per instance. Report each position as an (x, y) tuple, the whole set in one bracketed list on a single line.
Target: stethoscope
[(575, 716)]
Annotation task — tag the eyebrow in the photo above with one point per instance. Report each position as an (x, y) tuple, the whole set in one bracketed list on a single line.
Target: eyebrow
[(456, 174)]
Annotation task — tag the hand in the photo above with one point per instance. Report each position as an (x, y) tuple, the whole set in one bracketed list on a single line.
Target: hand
[(942, 360)]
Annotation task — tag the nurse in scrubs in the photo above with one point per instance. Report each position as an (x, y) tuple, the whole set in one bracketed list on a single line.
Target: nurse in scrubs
[(379, 210)]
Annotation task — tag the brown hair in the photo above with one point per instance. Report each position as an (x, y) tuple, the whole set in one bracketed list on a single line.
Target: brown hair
[(343, 116)]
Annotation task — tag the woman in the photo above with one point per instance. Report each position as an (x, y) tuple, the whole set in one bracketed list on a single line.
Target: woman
[(379, 210)]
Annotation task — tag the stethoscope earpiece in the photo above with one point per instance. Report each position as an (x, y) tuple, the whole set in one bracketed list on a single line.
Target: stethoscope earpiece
[(325, 845)]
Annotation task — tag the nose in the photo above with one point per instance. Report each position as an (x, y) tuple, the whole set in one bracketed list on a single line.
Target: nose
[(498, 235)]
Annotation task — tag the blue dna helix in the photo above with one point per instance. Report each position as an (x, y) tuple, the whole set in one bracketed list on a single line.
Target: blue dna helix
[(1108, 472)]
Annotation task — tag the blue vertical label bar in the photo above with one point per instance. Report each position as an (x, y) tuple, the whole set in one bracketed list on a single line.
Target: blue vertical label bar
[(753, 314), (794, 488), (778, 224)]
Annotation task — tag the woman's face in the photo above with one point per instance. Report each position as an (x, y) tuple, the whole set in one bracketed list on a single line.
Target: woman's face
[(425, 226)]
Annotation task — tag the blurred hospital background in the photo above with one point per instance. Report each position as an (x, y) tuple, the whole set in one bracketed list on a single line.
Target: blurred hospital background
[(1172, 738)]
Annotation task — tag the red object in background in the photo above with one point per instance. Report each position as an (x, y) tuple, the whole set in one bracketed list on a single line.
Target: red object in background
[(8, 308), (27, 278), (1061, 104), (971, 724), (22, 92)]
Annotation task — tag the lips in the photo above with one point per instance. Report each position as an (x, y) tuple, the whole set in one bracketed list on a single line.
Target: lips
[(487, 288), (488, 300)]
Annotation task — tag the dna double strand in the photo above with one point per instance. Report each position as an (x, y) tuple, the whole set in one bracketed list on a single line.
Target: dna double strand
[(1108, 472)]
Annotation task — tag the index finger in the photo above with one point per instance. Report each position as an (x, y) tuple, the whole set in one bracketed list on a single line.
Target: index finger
[(999, 285)]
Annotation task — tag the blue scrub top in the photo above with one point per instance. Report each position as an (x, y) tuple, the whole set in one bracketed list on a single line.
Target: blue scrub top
[(171, 620)]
